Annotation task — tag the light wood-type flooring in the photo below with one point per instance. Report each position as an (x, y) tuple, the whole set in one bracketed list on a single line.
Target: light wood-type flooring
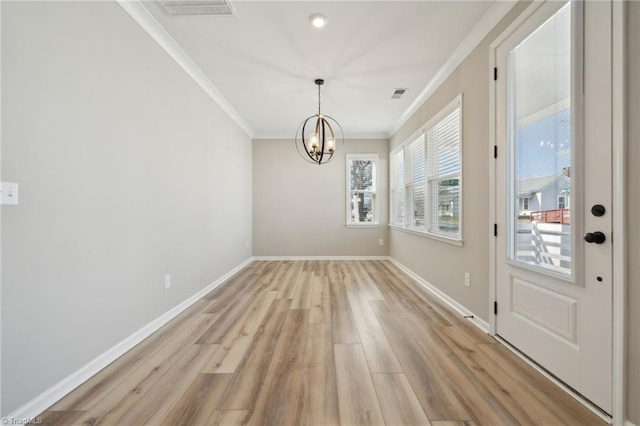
[(315, 343)]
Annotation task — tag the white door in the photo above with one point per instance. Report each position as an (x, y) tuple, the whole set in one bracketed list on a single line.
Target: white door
[(553, 136)]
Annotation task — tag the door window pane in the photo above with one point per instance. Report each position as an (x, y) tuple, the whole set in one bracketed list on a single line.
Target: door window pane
[(540, 145)]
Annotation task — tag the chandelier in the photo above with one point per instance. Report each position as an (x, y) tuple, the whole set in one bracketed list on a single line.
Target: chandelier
[(316, 138)]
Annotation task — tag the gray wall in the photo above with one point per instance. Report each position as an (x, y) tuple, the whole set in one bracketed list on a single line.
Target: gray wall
[(633, 201), (128, 171), (443, 264), (300, 208)]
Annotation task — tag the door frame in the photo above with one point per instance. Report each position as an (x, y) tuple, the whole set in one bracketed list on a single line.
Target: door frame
[(619, 141)]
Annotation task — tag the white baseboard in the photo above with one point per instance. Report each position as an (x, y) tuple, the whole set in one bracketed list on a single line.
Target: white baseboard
[(52, 395), (321, 258), (475, 320), (628, 423)]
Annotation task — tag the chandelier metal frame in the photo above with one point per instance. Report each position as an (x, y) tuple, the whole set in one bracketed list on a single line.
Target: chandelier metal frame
[(326, 140)]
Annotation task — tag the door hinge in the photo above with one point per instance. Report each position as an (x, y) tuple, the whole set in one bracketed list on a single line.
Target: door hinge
[(495, 151), (495, 308), (495, 74), (495, 229)]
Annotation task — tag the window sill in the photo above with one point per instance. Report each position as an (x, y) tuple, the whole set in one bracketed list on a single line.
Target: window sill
[(429, 235), (364, 225)]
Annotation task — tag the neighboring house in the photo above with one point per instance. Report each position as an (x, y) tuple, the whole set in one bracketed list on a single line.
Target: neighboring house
[(543, 193)]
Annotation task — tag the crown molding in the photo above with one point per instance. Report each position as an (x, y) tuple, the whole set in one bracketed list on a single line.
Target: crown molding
[(489, 20), (147, 22)]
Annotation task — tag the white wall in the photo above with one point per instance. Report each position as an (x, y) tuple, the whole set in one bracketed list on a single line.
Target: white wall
[(127, 172), (299, 208)]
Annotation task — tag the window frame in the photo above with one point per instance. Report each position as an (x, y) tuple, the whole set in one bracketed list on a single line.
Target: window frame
[(429, 207), (565, 201), (376, 199)]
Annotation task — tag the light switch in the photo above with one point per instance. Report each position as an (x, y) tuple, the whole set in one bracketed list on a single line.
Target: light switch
[(9, 194)]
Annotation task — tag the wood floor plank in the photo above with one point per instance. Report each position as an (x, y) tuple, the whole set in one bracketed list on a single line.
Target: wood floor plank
[(380, 356), (279, 396), (522, 404), (364, 281), (290, 280), (151, 400), (346, 275), (55, 418), (435, 310), (235, 343), (566, 408), (398, 401), (239, 281), (272, 280), (458, 387), (241, 355), (230, 314), (356, 395), (232, 418), (415, 295), (200, 400), (344, 326), (320, 300), (150, 368), (318, 394), (302, 295), (338, 290), (430, 385), (248, 380)]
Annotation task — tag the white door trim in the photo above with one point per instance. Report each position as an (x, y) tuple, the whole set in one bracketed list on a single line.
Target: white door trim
[(618, 190), (619, 141)]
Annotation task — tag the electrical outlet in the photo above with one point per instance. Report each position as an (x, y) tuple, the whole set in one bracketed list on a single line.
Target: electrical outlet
[(248, 244), (9, 193), (467, 279), (381, 242), (167, 281)]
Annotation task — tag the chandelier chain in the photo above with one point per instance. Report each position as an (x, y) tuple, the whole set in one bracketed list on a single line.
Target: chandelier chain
[(318, 99)]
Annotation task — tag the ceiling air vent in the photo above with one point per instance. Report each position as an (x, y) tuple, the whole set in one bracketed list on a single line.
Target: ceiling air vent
[(398, 93), (198, 7)]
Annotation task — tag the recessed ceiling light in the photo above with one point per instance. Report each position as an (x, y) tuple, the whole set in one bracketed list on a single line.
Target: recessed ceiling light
[(318, 20)]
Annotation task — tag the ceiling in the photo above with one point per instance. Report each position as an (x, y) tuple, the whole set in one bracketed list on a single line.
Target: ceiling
[(264, 60)]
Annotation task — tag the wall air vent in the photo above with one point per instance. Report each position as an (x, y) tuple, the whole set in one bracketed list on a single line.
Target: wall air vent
[(398, 93), (198, 7)]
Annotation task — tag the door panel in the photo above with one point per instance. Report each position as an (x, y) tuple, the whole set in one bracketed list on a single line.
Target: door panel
[(553, 121)]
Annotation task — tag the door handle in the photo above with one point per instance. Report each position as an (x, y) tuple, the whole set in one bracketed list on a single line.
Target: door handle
[(595, 237)]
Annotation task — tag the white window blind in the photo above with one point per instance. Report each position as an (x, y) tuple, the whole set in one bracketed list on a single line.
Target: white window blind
[(443, 170), (415, 182), (426, 177), (397, 188), (362, 206)]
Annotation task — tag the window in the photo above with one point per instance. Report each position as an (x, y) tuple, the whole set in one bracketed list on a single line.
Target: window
[(525, 204), (362, 203), (426, 177), (563, 202)]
